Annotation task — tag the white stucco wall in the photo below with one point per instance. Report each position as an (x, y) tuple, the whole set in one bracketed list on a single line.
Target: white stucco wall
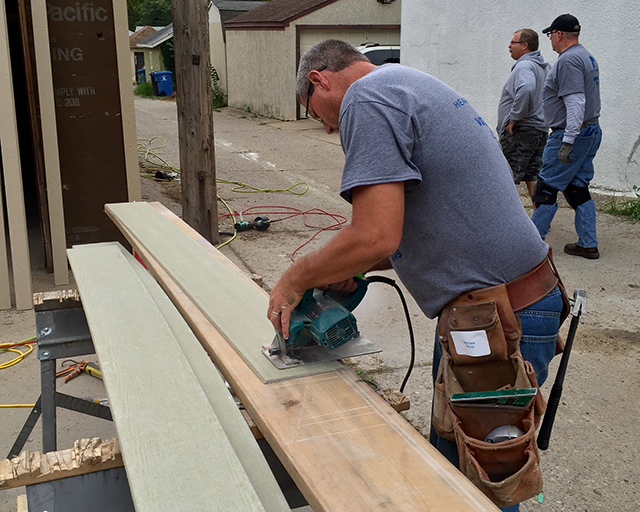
[(464, 43), (260, 67), (261, 64)]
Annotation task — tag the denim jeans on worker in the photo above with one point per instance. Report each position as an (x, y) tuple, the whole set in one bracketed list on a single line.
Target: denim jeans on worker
[(578, 173), (540, 325)]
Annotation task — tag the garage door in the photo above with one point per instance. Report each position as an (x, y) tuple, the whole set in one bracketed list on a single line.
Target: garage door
[(309, 37), (355, 36)]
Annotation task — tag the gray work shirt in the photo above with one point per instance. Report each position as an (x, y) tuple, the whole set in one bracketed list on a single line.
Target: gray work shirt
[(464, 225), (521, 98), (575, 71)]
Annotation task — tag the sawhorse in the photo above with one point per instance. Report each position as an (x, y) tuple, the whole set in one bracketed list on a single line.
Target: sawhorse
[(61, 331)]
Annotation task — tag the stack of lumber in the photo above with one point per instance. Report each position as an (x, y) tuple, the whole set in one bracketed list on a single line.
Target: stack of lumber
[(346, 449)]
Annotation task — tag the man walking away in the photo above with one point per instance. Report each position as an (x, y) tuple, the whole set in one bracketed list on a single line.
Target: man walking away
[(571, 110), (521, 125)]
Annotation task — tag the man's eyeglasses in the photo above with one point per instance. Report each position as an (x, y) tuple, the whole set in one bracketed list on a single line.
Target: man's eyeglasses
[(516, 42), (552, 32), (310, 92)]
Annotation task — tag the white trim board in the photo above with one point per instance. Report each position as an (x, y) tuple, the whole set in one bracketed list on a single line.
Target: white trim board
[(12, 172), (50, 142)]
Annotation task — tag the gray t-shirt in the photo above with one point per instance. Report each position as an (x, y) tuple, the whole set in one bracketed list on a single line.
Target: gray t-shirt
[(575, 71), (464, 225)]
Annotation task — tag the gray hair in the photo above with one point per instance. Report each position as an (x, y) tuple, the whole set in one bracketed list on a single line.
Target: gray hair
[(530, 37), (332, 54)]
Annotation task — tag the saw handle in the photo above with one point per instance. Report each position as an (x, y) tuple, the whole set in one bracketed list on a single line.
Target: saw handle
[(347, 300), (354, 298)]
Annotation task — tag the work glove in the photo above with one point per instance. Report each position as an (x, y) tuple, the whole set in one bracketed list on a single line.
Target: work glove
[(565, 151)]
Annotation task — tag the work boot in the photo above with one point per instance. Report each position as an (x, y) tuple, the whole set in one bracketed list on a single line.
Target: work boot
[(590, 253)]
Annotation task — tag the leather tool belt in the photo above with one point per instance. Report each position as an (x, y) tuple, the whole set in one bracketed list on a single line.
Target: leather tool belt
[(480, 336), (529, 288)]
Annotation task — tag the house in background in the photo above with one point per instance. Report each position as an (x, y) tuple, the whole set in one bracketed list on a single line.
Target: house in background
[(264, 45), (145, 41), (221, 11), (147, 52), (137, 54)]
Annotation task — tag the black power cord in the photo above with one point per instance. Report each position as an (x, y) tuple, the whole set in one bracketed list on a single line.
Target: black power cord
[(391, 282)]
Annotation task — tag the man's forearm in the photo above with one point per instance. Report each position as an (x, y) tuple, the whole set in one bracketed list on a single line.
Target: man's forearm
[(374, 234), (347, 254)]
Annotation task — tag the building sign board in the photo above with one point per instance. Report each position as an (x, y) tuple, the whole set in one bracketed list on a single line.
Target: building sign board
[(88, 116)]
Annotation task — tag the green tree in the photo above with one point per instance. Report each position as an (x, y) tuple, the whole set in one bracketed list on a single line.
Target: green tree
[(156, 13), (133, 13)]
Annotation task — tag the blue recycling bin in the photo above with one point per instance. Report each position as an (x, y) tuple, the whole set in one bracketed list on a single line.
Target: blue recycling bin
[(141, 76), (163, 82)]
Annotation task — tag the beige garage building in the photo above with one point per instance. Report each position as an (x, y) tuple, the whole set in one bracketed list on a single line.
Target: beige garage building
[(264, 45)]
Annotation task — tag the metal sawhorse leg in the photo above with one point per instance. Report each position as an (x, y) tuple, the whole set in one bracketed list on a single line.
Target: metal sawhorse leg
[(62, 331)]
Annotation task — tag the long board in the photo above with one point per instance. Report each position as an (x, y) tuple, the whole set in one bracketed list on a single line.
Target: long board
[(231, 304), (160, 410), (346, 449)]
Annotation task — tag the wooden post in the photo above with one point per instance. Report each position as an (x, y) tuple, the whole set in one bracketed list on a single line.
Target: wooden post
[(195, 117)]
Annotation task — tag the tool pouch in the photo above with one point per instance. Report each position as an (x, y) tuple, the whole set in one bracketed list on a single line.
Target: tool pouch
[(506, 472)]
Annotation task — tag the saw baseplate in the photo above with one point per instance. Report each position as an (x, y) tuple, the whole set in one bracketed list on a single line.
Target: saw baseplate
[(313, 353)]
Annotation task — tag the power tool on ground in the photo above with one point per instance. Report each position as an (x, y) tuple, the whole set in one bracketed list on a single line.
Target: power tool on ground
[(322, 328), (77, 368)]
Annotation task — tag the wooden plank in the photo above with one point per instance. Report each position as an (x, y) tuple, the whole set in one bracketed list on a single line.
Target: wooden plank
[(57, 299), (50, 142), (163, 418), (37, 150), (345, 448), (86, 456), (12, 173), (230, 304), (5, 288), (22, 504), (129, 135), (235, 425)]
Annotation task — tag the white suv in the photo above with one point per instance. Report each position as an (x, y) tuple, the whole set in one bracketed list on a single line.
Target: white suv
[(378, 54)]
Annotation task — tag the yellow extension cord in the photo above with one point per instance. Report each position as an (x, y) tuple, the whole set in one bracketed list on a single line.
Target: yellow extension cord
[(9, 347), (146, 147)]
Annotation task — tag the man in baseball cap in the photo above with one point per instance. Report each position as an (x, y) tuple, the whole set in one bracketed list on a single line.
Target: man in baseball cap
[(564, 23), (571, 110)]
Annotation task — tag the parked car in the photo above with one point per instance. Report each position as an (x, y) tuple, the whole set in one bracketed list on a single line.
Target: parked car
[(379, 54)]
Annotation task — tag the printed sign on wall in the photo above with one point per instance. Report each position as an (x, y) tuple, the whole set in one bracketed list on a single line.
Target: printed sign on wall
[(88, 116)]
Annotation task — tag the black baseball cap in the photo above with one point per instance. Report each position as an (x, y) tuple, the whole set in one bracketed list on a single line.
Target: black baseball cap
[(564, 23)]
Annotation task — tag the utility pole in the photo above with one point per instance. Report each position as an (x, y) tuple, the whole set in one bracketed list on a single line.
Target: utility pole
[(195, 116)]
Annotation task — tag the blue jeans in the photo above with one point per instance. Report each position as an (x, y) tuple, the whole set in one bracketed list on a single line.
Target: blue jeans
[(578, 173), (540, 326)]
